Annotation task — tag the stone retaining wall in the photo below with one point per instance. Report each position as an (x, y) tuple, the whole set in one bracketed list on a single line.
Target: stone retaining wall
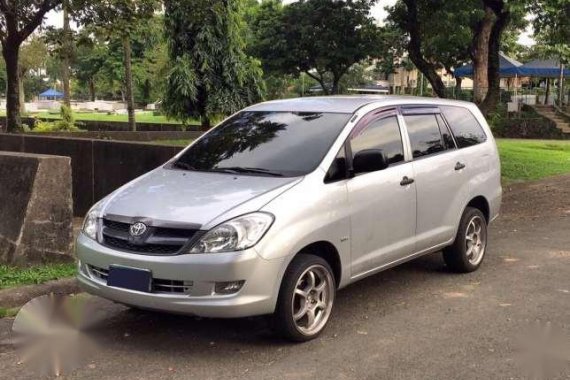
[(35, 209)]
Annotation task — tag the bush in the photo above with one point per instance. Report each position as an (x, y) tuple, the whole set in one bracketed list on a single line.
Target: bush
[(66, 124), (531, 128)]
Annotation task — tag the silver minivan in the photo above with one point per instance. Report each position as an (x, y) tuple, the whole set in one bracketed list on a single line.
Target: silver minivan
[(283, 203)]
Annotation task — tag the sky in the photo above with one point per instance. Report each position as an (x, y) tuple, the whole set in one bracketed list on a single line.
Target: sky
[(56, 19)]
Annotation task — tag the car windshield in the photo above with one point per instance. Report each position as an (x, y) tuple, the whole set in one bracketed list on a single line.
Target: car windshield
[(266, 143)]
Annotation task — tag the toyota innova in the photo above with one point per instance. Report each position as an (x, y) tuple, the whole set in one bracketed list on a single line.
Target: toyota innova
[(286, 202)]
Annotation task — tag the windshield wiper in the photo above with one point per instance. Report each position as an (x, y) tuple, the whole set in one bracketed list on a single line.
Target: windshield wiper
[(239, 169), (183, 165)]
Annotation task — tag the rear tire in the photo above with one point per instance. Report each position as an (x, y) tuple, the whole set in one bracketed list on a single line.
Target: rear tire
[(468, 250), (306, 298)]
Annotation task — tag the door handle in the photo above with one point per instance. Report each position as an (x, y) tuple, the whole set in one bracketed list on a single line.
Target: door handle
[(459, 166), (406, 181)]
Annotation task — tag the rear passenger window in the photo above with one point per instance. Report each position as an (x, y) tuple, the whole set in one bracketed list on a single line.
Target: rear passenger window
[(424, 133), (464, 126), (383, 134)]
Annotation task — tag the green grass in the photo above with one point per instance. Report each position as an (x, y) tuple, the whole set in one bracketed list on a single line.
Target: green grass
[(185, 142), (146, 117), (142, 117), (8, 312), (523, 160), (12, 276)]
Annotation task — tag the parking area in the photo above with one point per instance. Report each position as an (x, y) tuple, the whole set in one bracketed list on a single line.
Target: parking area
[(417, 321)]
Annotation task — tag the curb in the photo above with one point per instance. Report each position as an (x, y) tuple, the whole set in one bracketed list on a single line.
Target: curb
[(19, 296)]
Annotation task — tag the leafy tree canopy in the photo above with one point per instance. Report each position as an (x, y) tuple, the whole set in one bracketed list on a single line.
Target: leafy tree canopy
[(322, 38), (209, 73)]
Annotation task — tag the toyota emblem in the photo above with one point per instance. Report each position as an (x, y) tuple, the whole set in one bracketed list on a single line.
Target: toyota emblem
[(137, 229)]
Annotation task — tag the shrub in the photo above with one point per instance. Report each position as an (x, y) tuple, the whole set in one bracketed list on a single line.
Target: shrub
[(66, 124)]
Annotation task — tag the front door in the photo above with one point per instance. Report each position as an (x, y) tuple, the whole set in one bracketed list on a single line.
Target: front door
[(383, 202)]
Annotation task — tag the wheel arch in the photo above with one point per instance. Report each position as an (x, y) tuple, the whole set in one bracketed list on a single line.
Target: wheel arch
[(328, 252), (482, 204)]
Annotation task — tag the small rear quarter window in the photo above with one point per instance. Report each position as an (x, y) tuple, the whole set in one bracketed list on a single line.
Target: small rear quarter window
[(464, 126)]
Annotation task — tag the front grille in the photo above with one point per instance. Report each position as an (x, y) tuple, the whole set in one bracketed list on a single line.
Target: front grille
[(157, 249), (159, 285), (155, 241)]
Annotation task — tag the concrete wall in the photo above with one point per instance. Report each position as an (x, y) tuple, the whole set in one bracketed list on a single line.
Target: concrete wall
[(36, 209), (98, 166)]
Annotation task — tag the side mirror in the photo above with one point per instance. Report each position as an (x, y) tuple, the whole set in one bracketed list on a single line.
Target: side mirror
[(369, 160)]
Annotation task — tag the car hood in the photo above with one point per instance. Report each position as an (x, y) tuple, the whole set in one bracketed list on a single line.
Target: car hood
[(192, 197)]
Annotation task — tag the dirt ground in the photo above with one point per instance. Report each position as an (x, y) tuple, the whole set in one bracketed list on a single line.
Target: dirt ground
[(509, 320)]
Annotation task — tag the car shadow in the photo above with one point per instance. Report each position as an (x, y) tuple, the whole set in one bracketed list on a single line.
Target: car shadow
[(132, 329)]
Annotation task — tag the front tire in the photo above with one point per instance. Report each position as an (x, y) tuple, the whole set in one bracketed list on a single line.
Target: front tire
[(306, 298), (468, 250)]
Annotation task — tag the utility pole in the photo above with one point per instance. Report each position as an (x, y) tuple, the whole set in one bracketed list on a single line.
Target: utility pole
[(561, 85)]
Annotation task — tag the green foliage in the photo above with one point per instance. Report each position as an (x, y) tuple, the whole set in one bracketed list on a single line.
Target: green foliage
[(552, 26), (65, 124), (114, 17), (445, 28), (209, 72), (12, 276), (322, 38)]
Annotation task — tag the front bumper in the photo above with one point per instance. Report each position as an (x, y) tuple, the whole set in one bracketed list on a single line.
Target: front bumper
[(257, 296)]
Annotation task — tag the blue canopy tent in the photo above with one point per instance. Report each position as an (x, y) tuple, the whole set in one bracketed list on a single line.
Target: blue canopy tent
[(508, 68), (543, 68), (51, 94)]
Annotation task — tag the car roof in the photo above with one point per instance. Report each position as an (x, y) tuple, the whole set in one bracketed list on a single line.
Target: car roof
[(344, 104)]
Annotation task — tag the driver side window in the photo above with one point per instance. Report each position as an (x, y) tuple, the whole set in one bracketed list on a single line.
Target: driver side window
[(381, 134)]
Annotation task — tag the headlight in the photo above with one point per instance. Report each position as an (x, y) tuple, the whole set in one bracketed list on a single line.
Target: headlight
[(90, 222), (235, 235)]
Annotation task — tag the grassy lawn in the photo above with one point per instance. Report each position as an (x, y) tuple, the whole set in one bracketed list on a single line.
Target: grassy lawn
[(147, 117), (173, 142), (523, 160), (11, 276), (142, 117)]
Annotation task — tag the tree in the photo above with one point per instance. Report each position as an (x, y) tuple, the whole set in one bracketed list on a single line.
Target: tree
[(118, 18), (209, 71), (322, 38), (32, 58), (446, 34), (552, 30), (91, 54), (18, 20)]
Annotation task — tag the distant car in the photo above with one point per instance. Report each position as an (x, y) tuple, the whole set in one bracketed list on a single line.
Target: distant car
[(285, 202)]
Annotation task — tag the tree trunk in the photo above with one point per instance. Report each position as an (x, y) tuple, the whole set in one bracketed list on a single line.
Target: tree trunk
[(10, 51), (415, 50), (21, 93), (320, 80), (129, 83), (547, 94), (334, 88), (91, 89), (205, 122), (66, 53), (480, 55), (493, 68), (458, 81)]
